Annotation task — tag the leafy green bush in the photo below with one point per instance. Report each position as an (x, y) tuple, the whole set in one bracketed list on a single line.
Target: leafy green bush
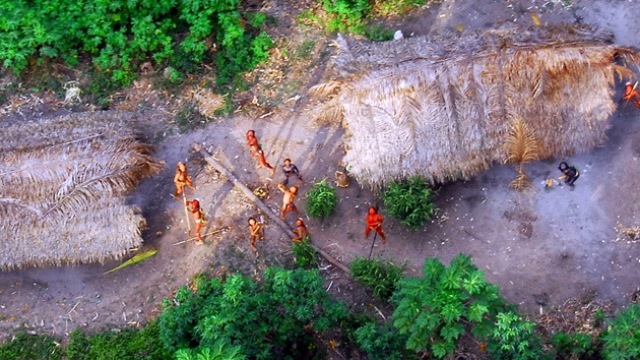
[(119, 35), (128, 344), (346, 15), (220, 351), (321, 200), (434, 311), (574, 346), (622, 340), (381, 276), (514, 338), (31, 347), (382, 342), (305, 255), (410, 202), (277, 318)]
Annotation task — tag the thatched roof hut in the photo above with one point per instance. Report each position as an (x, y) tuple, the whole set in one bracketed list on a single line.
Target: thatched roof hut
[(62, 189), (442, 107)]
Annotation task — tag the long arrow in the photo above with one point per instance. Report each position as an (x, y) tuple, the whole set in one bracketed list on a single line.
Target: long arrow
[(195, 237)]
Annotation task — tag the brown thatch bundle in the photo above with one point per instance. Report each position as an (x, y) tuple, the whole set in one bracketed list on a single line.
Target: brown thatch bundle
[(442, 107), (62, 187)]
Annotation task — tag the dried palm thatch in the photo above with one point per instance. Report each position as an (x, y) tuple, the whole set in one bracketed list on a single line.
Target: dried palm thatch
[(522, 147), (62, 187), (441, 107)]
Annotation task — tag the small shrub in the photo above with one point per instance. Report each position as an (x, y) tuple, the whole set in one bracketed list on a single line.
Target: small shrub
[(346, 15), (381, 276), (437, 309), (514, 338), (574, 346), (381, 342), (304, 254), (410, 202), (321, 200), (622, 340), (378, 32), (31, 347)]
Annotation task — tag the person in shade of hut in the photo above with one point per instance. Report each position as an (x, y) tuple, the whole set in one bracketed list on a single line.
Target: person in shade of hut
[(255, 232), (300, 231), (198, 217), (569, 173), (182, 179), (289, 170), (374, 222), (631, 94), (287, 200)]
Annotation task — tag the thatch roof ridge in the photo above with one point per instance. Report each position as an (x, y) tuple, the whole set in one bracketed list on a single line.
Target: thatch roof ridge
[(358, 56), (63, 182)]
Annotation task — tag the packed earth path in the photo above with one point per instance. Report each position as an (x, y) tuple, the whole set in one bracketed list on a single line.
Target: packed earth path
[(541, 246)]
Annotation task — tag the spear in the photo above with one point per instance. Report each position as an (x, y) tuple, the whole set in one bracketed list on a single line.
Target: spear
[(205, 235), (186, 211), (373, 243)]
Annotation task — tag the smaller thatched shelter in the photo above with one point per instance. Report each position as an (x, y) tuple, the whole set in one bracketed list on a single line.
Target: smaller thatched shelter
[(62, 189), (443, 107)]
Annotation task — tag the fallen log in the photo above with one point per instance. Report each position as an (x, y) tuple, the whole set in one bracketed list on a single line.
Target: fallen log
[(274, 217)]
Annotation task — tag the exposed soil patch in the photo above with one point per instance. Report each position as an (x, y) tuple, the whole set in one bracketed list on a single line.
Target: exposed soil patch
[(541, 247)]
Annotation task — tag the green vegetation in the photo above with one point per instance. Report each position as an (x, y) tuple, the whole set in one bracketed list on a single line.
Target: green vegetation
[(321, 200), (304, 254), (31, 347), (436, 310), (382, 342), (574, 346), (381, 276), (275, 319), (289, 315), (378, 32), (385, 8), (410, 201), (347, 15), (128, 344), (119, 35), (622, 340), (514, 338)]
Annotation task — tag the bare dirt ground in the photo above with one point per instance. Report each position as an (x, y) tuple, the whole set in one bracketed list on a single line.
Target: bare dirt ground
[(543, 244)]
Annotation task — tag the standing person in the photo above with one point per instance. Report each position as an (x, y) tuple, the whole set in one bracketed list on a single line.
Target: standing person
[(182, 179), (301, 231), (569, 173), (289, 170), (252, 142), (262, 162), (287, 200), (374, 222), (631, 94), (255, 231), (198, 217)]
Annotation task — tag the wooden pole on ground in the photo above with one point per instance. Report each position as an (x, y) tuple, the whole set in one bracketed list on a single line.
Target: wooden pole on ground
[(274, 217)]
